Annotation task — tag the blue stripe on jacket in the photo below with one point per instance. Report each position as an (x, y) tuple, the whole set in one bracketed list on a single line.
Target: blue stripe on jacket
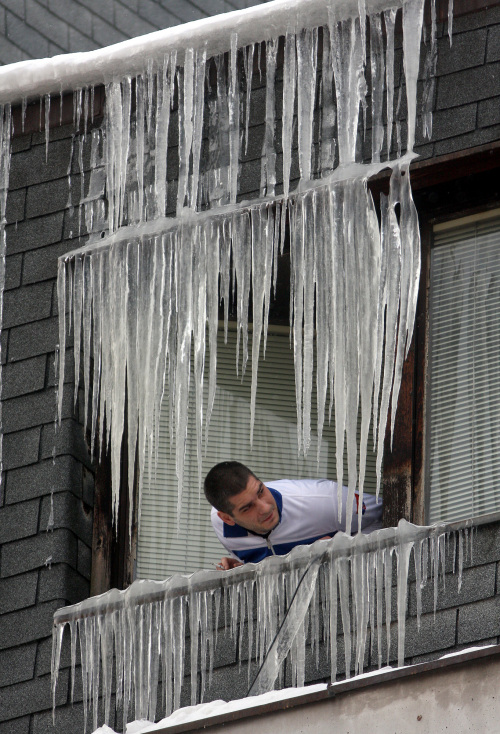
[(254, 555)]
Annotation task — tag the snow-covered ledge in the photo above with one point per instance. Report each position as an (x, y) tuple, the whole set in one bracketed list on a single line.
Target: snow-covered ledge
[(142, 630), (67, 72)]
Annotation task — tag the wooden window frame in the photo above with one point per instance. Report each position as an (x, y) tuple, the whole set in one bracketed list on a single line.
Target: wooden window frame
[(444, 189)]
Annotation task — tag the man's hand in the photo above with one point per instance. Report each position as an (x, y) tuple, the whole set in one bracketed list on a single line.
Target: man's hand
[(227, 563)]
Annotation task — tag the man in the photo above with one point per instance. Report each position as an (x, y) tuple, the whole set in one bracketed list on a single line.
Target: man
[(253, 521)]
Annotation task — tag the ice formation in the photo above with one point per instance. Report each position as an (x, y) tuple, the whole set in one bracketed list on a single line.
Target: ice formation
[(144, 301), (5, 134), (337, 592)]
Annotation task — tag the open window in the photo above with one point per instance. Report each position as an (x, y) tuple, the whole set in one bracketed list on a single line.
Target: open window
[(161, 550)]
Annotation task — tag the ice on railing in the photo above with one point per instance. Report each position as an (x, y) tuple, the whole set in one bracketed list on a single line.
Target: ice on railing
[(337, 593)]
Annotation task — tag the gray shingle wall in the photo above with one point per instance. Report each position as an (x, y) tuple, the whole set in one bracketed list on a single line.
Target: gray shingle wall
[(40, 28), (41, 226), (467, 93), (48, 478)]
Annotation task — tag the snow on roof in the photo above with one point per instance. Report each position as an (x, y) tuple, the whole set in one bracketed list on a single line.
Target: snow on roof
[(32, 78)]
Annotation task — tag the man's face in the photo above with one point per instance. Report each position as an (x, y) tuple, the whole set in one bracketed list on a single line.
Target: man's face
[(254, 508)]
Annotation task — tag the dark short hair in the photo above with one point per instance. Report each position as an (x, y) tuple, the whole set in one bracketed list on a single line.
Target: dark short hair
[(225, 480)]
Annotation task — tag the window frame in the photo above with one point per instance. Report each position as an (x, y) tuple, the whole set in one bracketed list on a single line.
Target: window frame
[(446, 188)]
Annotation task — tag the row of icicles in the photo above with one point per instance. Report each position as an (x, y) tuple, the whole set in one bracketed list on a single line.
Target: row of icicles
[(142, 299), (345, 601)]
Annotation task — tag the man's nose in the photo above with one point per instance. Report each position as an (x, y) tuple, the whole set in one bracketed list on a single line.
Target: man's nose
[(263, 505)]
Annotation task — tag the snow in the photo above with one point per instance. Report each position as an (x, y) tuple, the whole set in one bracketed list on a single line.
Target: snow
[(31, 79)]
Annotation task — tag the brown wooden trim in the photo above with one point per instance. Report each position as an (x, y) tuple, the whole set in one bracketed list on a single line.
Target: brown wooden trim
[(397, 465), (443, 169), (113, 547), (418, 510), (102, 534)]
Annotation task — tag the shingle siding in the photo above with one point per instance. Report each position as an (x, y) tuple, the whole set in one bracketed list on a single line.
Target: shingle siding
[(44, 560)]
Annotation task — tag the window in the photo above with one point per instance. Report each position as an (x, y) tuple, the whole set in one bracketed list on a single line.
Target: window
[(463, 406), (161, 550)]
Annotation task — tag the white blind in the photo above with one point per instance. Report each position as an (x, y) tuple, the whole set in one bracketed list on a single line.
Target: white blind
[(161, 551), (464, 415)]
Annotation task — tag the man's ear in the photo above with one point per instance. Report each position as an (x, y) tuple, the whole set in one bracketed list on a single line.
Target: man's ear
[(226, 518)]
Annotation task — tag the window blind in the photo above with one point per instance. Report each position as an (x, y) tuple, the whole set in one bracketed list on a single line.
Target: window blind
[(161, 550), (464, 361)]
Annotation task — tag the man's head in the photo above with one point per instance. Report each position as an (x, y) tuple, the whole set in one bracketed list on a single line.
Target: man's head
[(240, 497)]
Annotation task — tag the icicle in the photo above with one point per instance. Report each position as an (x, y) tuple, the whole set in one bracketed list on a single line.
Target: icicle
[(24, 104), (262, 257), (221, 132), (199, 97), (57, 638), (308, 236), (248, 56), (379, 582), (347, 59), (184, 288), (392, 241), (165, 90), (268, 166), (377, 79), (234, 120), (287, 633), (5, 156), (403, 556), (242, 256), (352, 355), (307, 54), (46, 103), (413, 11), (289, 83), (417, 557), (332, 617), (199, 323), (368, 240), (390, 22), (328, 109), (61, 298), (430, 76), (450, 20), (297, 276), (322, 265)]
